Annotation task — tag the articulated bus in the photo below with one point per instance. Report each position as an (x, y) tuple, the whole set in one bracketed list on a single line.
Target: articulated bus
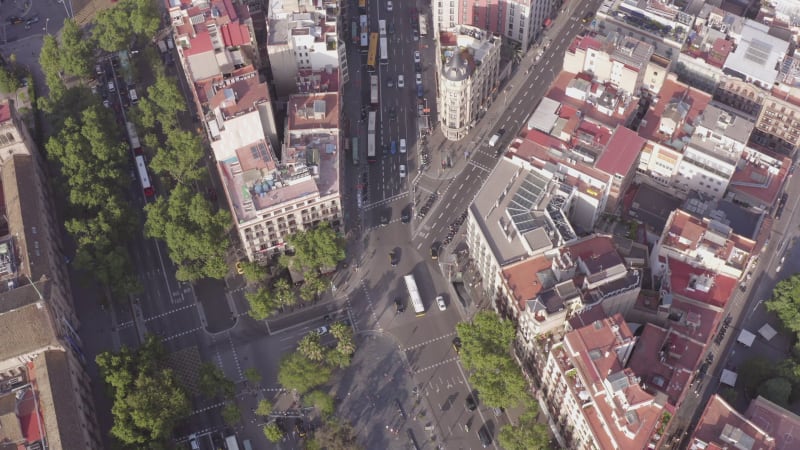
[(373, 51), (416, 300), (382, 28), (384, 50), (423, 25), (355, 150), (362, 6), (371, 137)]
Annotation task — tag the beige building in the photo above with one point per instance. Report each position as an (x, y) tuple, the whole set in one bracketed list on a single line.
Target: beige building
[(303, 40), (271, 197), (468, 75), (744, 97), (778, 126), (625, 62), (45, 397)]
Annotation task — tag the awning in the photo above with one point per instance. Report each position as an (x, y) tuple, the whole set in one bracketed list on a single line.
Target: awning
[(547, 23), (728, 377), (746, 338), (767, 332)]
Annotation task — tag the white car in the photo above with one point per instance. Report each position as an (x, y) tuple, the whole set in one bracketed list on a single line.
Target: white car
[(419, 78), (440, 303), (402, 145), (416, 57), (321, 330), (401, 83), (389, 6), (402, 171)]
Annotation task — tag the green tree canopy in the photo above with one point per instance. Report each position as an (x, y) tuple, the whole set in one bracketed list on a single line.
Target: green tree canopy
[(264, 408), (310, 347), (148, 402), (213, 382), (301, 374), (527, 433), (180, 158), (252, 375), (273, 432), (754, 372), (116, 27), (336, 435), (485, 346), (195, 235), (785, 302), (317, 248), (8, 80), (231, 414), (776, 390), (320, 400), (262, 304), (75, 50)]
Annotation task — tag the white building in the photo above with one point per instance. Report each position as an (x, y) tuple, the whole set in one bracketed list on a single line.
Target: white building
[(467, 77)]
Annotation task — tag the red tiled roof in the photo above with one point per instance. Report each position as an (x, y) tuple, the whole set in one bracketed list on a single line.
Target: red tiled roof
[(680, 275), (5, 112), (621, 152), (717, 414), (673, 90), (201, 43), (745, 180), (781, 424), (235, 34), (522, 280)]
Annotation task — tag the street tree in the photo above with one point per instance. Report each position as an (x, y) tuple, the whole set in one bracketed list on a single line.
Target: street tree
[(195, 235), (335, 434), (299, 373), (527, 433), (262, 304), (785, 302), (338, 358), (213, 383), (776, 390), (180, 157), (485, 347), (253, 272), (273, 432), (344, 335), (317, 248), (116, 27), (75, 50), (320, 400), (147, 400), (283, 293), (231, 414), (8, 80), (264, 408), (311, 348), (313, 285), (252, 375), (50, 62)]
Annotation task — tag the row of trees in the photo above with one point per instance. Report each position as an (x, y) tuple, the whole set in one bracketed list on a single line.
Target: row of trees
[(312, 365), (780, 383), (316, 251), (486, 354)]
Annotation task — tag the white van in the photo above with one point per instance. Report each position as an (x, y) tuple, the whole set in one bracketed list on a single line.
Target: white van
[(134, 98), (402, 145), (493, 140)]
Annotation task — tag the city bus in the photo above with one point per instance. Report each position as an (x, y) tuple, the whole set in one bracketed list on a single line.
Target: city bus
[(364, 24), (362, 6), (355, 151), (364, 42), (133, 138), (144, 180), (384, 50), (371, 137), (373, 89), (354, 32), (373, 52), (423, 25), (413, 293), (382, 28)]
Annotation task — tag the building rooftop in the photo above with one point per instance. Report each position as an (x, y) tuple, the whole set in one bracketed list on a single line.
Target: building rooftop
[(732, 126), (758, 54), (699, 285), (759, 177), (620, 155), (679, 102), (650, 206), (510, 210), (313, 111), (781, 424), (238, 95), (700, 239), (528, 278), (558, 92), (743, 221), (721, 426), (5, 112)]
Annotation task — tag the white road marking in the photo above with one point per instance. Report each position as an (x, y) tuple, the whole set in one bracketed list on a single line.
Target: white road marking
[(429, 341)]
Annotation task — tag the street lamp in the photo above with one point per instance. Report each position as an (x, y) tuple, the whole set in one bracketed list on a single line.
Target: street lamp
[(46, 21)]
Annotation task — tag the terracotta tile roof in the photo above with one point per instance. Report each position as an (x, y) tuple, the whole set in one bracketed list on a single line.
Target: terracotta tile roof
[(5, 112), (688, 282), (781, 424), (720, 418), (621, 152), (201, 43), (672, 90), (522, 279)]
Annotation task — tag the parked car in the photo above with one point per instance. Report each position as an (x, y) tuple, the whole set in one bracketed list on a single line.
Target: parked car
[(323, 330), (398, 305), (419, 78), (471, 403), (402, 171), (416, 57), (440, 303), (14, 20), (400, 81), (402, 145)]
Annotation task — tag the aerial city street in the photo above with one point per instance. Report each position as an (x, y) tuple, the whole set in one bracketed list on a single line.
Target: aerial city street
[(387, 224)]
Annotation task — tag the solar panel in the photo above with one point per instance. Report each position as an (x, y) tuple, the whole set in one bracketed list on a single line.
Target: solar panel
[(758, 52)]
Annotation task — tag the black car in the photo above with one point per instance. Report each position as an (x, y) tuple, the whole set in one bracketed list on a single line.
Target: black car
[(484, 436), (400, 409), (392, 113), (14, 20), (405, 217), (398, 305), (471, 403), (393, 258), (457, 344), (435, 250)]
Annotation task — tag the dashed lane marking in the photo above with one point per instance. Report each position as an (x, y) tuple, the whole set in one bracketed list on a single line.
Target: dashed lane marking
[(208, 408), (429, 341), (371, 306), (181, 334), (385, 201), (159, 316), (235, 357), (440, 363), (479, 166)]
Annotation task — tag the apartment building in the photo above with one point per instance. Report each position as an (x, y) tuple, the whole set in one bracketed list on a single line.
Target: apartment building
[(778, 126), (745, 98), (759, 179), (619, 160), (45, 396), (271, 197), (623, 61), (303, 40), (721, 426), (595, 399), (705, 243), (518, 20), (468, 75)]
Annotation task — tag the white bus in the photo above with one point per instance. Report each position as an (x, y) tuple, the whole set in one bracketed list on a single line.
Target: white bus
[(371, 137), (141, 167), (373, 89), (382, 28), (416, 300), (384, 51), (133, 139), (364, 42), (423, 25), (231, 442), (363, 23)]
